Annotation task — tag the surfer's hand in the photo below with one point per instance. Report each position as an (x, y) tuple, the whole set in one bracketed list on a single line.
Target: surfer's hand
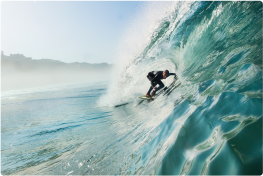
[(155, 88)]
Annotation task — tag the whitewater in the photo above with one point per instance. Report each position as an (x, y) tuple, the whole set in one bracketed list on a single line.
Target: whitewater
[(209, 123)]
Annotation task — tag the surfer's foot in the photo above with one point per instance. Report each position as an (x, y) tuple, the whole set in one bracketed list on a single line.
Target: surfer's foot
[(153, 93), (148, 95)]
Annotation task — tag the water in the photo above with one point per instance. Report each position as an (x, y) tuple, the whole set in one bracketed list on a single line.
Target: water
[(210, 124), (61, 130)]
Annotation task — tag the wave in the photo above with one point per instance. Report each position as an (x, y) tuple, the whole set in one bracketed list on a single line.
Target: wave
[(215, 48)]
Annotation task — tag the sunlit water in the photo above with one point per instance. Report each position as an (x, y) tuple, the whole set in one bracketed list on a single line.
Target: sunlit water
[(62, 130), (211, 124), (40, 126)]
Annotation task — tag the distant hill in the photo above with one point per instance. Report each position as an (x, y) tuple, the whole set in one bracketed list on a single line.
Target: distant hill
[(22, 63), (18, 71)]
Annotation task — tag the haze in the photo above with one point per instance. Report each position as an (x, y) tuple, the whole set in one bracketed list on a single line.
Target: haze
[(20, 72), (69, 31), (49, 43)]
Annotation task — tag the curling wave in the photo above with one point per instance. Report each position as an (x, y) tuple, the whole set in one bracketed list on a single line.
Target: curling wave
[(211, 123)]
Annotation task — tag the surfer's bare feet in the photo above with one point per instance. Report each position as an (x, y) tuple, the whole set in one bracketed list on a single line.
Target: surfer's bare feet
[(153, 93), (148, 95)]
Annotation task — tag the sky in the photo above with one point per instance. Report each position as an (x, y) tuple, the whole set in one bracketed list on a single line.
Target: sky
[(69, 31)]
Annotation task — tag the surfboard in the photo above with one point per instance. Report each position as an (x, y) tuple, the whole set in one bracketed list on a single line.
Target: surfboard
[(144, 97)]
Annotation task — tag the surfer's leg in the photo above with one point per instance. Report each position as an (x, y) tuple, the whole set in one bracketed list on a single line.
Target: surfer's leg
[(161, 85), (149, 91), (151, 88)]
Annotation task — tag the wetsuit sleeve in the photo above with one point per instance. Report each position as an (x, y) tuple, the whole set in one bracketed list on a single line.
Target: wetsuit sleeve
[(175, 76)]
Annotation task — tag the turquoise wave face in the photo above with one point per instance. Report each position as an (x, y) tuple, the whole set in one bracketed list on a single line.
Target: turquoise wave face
[(216, 49), (222, 56)]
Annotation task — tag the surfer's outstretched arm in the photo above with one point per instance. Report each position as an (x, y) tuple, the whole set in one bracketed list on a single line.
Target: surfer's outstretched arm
[(175, 76), (172, 74)]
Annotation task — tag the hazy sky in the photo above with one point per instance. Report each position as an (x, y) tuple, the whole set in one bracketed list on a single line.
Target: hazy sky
[(70, 31)]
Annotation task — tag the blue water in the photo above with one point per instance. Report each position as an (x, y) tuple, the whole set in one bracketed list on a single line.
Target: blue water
[(61, 130), (211, 124), (40, 125)]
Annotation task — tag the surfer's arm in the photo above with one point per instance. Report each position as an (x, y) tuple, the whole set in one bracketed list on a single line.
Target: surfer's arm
[(175, 76), (152, 84)]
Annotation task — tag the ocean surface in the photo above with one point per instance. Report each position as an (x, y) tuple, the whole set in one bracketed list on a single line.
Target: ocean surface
[(208, 123)]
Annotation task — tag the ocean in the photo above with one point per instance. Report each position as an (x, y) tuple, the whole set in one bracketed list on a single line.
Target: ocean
[(209, 123)]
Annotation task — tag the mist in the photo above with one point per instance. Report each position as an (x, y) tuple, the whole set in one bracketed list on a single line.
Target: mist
[(20, 72)]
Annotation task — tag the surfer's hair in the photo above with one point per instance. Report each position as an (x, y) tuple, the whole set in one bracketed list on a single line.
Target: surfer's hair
[(166, 72)]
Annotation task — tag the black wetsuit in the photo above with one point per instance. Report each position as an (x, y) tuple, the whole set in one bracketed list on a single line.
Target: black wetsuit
[(155, 78)]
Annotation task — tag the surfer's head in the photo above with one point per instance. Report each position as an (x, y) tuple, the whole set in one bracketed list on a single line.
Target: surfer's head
[(165, 74)]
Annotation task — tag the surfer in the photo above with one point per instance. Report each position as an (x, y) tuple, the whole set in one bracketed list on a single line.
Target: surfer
[(155, 78)]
